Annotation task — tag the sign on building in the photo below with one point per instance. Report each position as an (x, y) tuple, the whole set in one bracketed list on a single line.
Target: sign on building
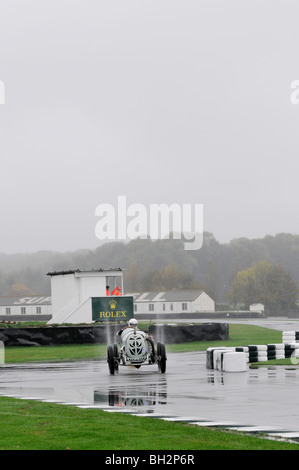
[(118, 308)]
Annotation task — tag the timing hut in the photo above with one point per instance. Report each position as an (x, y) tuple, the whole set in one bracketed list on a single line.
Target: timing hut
[(82, 297)]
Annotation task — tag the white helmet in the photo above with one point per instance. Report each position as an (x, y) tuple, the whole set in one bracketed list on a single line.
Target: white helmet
[(133, 322)]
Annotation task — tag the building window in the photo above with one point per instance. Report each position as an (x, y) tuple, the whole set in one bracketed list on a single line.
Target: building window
[(171, 307), (184, 306), (7, 310), (135, 307), (23, 310), (163, 307), (38, 310), (151, 307)]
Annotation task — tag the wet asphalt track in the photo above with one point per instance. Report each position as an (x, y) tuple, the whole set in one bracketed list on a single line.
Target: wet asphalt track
[(264, 399)]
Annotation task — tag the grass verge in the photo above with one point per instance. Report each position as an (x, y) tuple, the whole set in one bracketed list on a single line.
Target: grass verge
[(31, 425)]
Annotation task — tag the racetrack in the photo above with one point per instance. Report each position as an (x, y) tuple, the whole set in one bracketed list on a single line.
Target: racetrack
[(264, 399)]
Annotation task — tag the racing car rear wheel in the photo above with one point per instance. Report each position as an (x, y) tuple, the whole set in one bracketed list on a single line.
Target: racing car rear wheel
[(116, 357), (151, 350), (111, 360), (161, 352), (115, 350)]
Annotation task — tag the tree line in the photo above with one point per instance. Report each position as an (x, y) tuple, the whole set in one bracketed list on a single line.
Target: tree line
[(262, 283), (234, 272)]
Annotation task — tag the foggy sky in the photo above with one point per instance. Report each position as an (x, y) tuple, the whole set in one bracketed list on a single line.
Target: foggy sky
[(163, 101)]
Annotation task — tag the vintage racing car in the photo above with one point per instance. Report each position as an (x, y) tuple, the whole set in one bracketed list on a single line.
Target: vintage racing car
[(136, 348)]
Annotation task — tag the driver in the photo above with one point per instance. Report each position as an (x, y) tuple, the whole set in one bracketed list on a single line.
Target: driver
[(132, 323)]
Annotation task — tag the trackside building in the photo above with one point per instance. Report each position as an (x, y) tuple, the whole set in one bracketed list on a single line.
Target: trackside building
[(22, 308), (173, 302), (89, 296)]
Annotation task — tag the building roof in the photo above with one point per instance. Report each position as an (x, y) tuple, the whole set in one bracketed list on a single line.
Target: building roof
[(74, 271), (10, 301), (167, 296)]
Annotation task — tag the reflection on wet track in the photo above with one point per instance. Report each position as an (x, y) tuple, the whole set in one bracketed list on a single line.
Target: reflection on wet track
[(147, 396), (264, 399)]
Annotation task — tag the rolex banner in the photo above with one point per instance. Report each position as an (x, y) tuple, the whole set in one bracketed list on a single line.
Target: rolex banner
[(119, 308)]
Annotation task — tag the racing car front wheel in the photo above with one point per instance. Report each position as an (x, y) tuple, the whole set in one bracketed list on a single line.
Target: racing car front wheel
[(161, 352), (111, 360)]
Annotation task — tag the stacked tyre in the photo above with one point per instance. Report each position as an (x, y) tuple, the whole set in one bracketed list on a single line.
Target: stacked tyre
[(244, 349), (291, 350), (275, 351), (289, 337), (257, 352)]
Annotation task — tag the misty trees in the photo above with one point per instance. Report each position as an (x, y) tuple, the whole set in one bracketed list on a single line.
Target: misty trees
[(168, 278), (217, 268), (19, 290), (249, 285), (284, 291), (262, 283), (132, 278)]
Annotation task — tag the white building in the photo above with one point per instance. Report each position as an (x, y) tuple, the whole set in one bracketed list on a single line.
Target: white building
[(25, 308), (187, 301), (257, 308)]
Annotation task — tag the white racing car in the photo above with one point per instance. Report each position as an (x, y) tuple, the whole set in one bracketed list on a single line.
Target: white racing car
[(137, 348)]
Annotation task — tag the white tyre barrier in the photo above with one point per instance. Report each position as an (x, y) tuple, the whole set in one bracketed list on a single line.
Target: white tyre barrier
[(288, 339), (262, 358), (252, 353), (290, 336), (276, 346), (226, 359), (291, 349), (210, 355), (234, 362), (275, 351), (257, 352), (257, 347), (218, 357), (244, 349)]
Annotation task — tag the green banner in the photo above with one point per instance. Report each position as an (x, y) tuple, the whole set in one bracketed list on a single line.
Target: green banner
[(118, 308)]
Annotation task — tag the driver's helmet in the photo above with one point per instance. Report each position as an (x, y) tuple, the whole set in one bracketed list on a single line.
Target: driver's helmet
[(133, 323)]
